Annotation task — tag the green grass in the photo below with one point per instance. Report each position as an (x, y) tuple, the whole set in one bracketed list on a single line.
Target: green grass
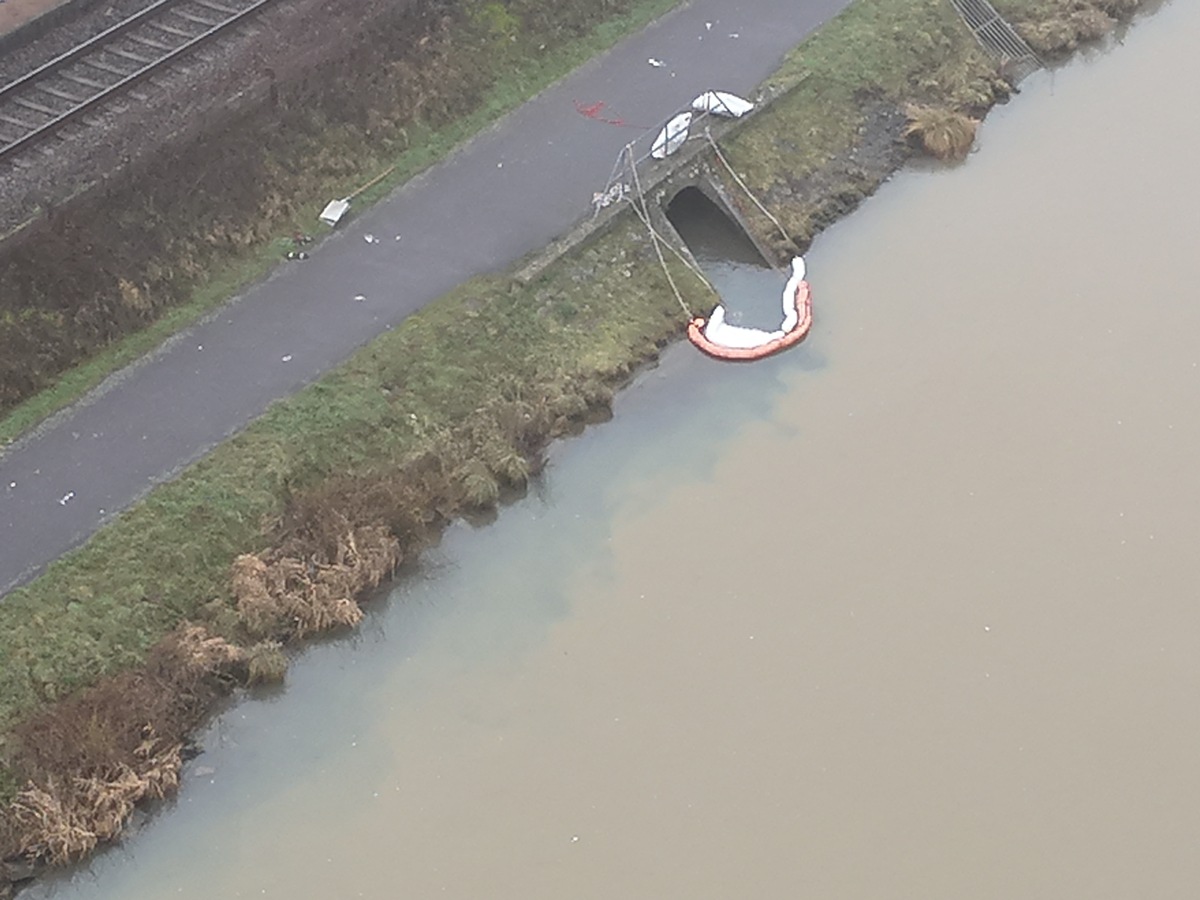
[(521, 79)]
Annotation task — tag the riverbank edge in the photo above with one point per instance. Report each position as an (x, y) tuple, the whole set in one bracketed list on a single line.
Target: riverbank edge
[(334, 526)]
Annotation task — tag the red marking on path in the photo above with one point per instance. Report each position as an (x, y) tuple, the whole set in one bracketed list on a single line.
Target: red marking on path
[(595, 112)]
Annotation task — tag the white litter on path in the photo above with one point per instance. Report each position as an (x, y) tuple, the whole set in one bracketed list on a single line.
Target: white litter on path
[(287, 358), (66, 498), (657, 63)]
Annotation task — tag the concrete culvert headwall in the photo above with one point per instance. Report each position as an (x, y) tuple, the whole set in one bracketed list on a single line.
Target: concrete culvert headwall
[(709, 228)]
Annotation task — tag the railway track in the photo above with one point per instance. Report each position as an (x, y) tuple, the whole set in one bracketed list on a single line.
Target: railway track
[(66, 88)]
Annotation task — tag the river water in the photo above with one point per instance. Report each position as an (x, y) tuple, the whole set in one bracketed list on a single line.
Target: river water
[(908, 612)]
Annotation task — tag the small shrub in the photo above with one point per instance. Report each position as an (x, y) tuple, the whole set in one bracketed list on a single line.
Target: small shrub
[(266, 663), (290, 593), (943, 133), (480, 488)]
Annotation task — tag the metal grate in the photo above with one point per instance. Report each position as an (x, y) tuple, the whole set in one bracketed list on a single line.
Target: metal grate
[(998, 38)]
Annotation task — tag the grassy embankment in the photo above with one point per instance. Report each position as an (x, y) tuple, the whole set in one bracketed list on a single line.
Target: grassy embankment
[(334, 487), (173, 240)]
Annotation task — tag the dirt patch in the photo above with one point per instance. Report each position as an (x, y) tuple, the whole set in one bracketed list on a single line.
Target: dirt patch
[(836, 189)]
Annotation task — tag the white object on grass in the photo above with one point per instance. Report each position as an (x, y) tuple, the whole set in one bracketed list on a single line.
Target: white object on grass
[(333, 212), (722, 104), (672, 136)]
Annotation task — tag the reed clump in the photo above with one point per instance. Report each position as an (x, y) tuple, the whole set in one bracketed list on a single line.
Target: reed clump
[(943, 133), (266, 663), (1059, 27), (87, 761), (292, 592)]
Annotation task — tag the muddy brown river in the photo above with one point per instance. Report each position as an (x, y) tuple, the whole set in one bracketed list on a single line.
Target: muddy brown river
[(909, 612)]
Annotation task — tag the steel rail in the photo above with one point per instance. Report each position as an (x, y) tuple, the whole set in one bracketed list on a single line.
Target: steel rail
[(97, 43)]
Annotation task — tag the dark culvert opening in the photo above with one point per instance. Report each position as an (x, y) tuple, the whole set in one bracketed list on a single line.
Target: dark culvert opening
[(748, 286)]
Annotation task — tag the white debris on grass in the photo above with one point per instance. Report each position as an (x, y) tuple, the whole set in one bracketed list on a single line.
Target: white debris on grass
[(722, 104), (333, 212), (672, 136)]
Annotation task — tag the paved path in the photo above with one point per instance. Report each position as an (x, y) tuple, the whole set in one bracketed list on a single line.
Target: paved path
[(510, 190)]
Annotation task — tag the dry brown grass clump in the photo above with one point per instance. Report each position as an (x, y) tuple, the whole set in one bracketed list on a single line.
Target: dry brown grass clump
[(62, 821), (282, 594), (943, 133), (1064, 34), (1074, 22), (266, 663), (88, 760)]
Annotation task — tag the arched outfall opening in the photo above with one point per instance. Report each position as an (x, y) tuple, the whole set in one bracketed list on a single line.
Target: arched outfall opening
[(710, 234), (748, 286)]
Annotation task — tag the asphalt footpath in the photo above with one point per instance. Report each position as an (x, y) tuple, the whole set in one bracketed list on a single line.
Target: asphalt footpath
[(510, 190)]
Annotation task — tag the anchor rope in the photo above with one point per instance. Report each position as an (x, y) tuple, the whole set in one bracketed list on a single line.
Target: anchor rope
[(749, 193), (683, 259), (644, 215)]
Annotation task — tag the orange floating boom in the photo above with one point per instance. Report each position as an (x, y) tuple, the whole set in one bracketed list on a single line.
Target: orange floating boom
[(802, 299)]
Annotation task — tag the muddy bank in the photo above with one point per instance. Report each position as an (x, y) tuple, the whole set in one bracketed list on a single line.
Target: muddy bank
[(441, 428)]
